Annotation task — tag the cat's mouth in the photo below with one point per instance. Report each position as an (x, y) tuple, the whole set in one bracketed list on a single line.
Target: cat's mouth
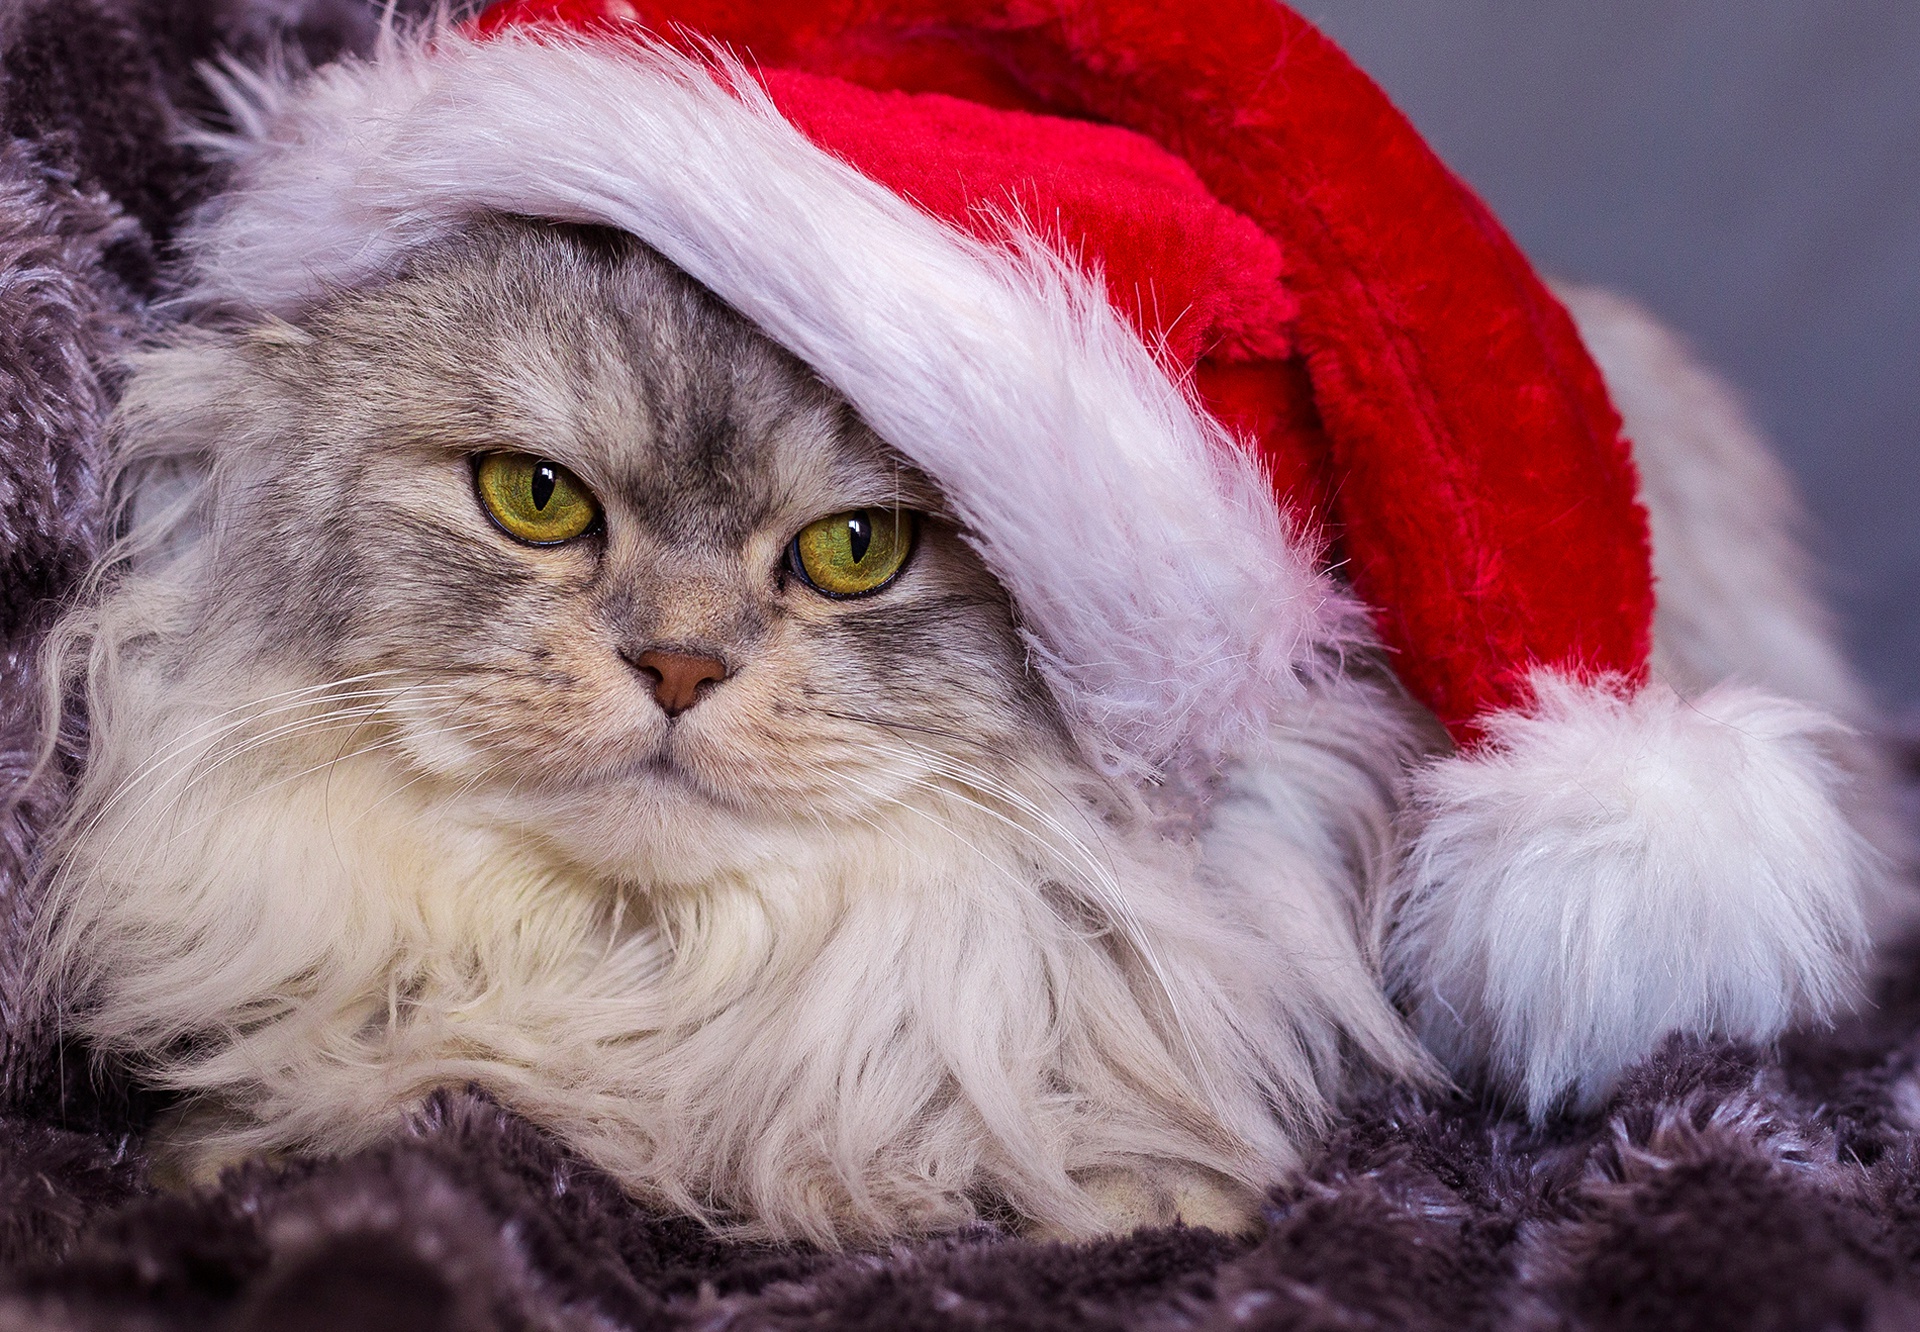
[(705, 768), (666, 768)]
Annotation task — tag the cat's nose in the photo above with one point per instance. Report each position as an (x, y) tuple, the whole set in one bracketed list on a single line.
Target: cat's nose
[(679, 679)]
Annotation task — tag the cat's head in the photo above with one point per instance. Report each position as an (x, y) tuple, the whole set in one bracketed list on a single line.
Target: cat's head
[(563, 524)]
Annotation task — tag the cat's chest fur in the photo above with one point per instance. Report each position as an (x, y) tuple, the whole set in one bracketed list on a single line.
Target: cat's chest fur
[(334, 935)]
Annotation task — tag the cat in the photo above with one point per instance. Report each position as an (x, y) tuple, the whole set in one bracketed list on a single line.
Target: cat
[(382, 798), (521, 672)]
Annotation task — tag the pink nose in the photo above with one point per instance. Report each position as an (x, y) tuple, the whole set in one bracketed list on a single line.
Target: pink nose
[(679, 679)]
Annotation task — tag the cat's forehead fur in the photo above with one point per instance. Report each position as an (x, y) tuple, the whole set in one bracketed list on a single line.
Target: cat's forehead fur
[(583, 346)]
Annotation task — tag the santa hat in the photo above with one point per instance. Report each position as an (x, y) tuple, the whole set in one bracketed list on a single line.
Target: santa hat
[(1303, 341)]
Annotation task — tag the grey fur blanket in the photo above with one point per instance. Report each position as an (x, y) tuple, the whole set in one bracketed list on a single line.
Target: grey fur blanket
[(1724, 1187)]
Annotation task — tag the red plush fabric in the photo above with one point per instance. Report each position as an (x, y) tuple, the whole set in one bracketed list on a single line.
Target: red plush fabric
[(1194, 276), (1457, 439), (1201, 282)]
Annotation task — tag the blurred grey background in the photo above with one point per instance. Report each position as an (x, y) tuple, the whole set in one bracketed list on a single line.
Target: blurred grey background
[(1750, 171)]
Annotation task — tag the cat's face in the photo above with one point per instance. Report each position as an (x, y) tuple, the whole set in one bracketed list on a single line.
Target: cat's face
[(663, 457)]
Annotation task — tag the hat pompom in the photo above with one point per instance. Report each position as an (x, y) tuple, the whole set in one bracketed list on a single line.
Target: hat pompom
[(1611, 866)]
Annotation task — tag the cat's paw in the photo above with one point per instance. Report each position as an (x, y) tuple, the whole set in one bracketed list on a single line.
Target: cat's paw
[(1165, 1193), (191, 1146)]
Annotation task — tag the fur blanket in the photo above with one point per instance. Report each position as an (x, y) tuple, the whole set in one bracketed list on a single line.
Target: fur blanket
[(1723, 1187)]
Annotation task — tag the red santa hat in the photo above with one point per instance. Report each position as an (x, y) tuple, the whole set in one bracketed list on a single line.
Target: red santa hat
[(1175, 313)]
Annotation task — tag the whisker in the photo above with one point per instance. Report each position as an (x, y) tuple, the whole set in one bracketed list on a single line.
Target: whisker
[(894, 800), (195, 736), (891, 724), (466, 785), (250, 745), (59, 883), (389, 742), (210, 731)]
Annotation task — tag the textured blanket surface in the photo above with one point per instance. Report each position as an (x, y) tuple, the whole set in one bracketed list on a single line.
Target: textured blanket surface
[(1723, 1187)]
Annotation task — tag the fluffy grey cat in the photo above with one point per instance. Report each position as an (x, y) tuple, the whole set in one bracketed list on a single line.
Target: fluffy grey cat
[(522, 672)]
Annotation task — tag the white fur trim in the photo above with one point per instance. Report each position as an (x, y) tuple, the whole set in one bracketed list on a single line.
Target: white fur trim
[(1168, 607), (1609, 870)]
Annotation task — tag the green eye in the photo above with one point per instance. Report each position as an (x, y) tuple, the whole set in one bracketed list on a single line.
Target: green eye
[(853, 553), (533, 500)]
